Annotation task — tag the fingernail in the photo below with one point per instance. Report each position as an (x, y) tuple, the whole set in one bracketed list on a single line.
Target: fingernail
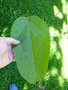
[(17, 42)]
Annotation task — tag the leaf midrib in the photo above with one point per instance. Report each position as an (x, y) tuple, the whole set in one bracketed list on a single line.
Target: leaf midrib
[(31, 47)]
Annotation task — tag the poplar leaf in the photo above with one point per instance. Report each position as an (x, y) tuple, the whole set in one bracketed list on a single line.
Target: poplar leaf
[(32, 54)]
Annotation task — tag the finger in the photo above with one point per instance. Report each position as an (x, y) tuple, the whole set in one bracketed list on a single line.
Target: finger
[(10, 53)]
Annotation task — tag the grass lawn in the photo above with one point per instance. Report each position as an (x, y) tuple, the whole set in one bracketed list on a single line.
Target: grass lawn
[(52, 12)]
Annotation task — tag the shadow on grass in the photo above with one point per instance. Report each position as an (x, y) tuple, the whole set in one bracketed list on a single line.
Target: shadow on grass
[(45, 10)]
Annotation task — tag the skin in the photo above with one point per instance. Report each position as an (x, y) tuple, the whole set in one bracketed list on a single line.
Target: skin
[(6, 54)]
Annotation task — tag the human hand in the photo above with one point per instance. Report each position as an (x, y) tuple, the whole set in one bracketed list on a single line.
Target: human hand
[(6, 54)]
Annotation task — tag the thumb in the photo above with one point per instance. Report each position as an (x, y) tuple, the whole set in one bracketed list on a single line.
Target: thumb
[(12, 41)]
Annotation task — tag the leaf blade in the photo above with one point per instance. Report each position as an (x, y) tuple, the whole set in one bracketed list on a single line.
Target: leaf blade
[(38, 36)]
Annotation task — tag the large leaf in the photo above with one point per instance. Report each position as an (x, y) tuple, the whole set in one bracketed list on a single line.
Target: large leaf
[(32, 53)]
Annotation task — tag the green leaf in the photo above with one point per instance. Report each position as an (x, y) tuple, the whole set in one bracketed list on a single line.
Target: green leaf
[(32, 53)]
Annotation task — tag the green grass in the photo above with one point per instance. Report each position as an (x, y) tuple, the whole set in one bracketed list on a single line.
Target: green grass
[(12, 9)]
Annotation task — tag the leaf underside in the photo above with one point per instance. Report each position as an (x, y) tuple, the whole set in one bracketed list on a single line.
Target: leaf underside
[(32, 53)]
